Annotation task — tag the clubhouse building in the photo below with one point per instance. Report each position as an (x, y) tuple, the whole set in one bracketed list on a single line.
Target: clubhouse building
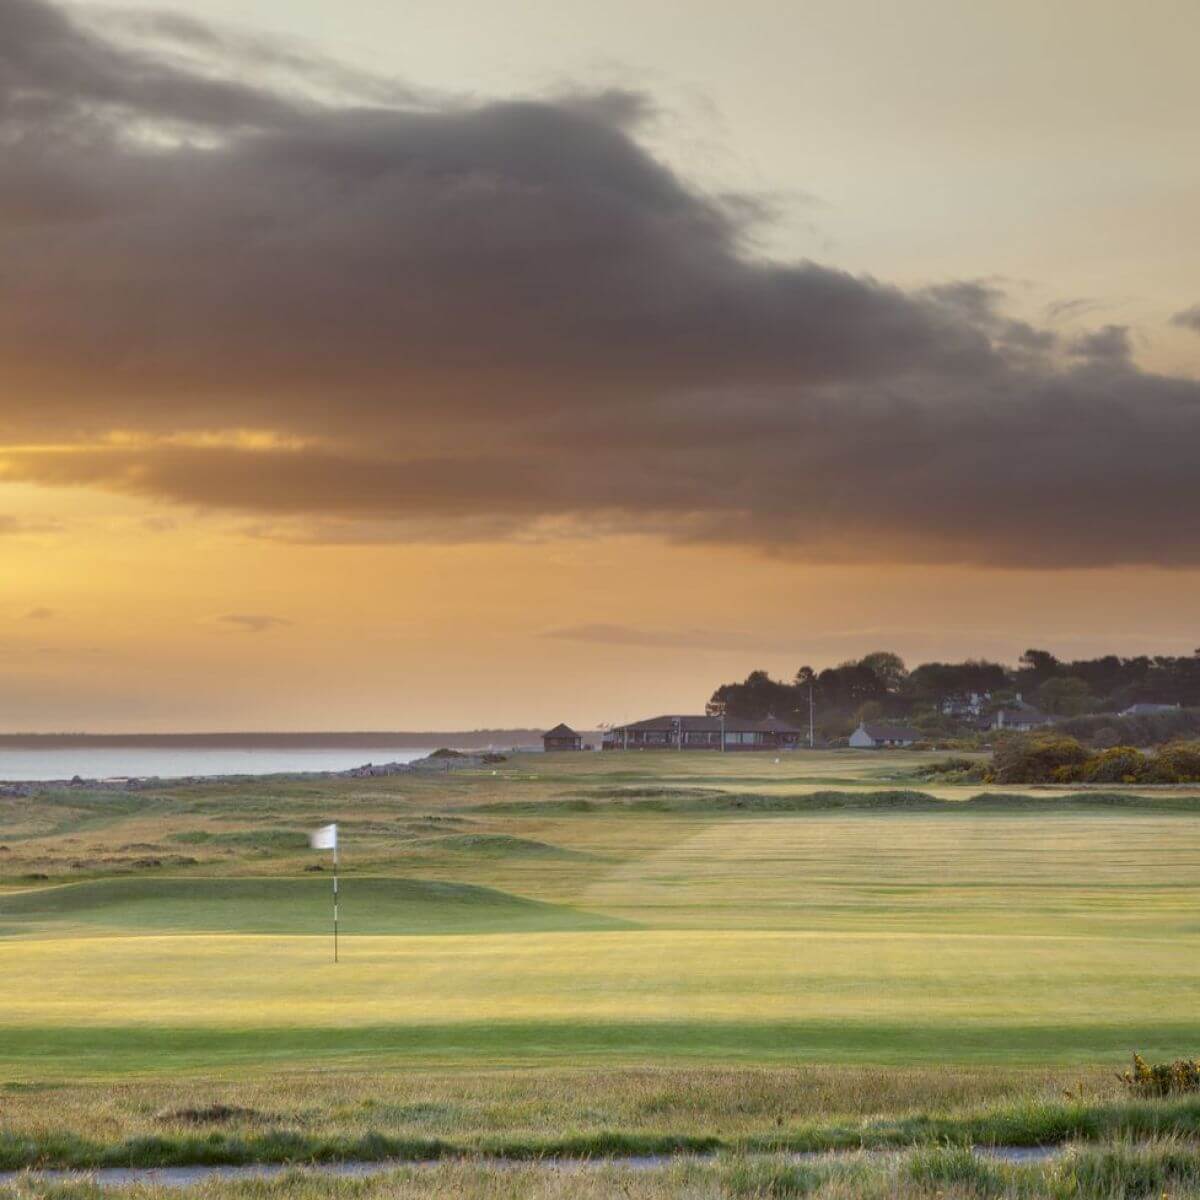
[(704, 733), (561, 737)]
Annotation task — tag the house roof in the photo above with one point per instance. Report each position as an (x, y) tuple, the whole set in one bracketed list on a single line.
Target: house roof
[(1025, 715), (1145, 707), (892, 733), (560, 730), (667, 724)]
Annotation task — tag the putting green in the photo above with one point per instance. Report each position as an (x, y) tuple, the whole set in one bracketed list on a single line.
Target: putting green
[(285, 906)]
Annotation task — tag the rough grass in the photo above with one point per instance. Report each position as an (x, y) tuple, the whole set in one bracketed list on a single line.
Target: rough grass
[(495, 845), (1113, 1172), (1042, 1125), (520, 1116), (261, 840), (692, 800), (531, 1104)]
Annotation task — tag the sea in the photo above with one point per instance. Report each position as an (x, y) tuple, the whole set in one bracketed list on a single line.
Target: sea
[(168, 762)]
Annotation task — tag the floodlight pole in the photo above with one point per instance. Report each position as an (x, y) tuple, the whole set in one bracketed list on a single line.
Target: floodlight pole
[(811, 742), (335, 900)]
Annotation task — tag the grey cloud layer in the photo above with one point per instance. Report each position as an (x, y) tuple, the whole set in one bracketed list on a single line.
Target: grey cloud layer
[(503, 313)]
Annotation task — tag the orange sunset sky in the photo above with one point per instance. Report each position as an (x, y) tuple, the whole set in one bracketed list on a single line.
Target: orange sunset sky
[(472, 364)]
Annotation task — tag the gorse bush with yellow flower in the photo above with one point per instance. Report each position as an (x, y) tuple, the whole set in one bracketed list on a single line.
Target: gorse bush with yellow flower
[(1056, 758)]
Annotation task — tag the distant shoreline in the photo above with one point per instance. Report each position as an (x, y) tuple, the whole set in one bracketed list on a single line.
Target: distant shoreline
[(455, 739), (437, 760)]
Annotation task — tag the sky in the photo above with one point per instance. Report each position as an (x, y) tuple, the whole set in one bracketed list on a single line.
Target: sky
[(483, 364)]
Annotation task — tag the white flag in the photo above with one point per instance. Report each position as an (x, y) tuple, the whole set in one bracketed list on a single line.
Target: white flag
[(324, 838)]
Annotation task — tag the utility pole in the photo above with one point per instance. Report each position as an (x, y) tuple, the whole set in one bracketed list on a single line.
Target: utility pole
[(811, 739)]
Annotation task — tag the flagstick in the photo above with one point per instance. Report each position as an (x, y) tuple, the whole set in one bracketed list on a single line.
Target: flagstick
[(335, 901)]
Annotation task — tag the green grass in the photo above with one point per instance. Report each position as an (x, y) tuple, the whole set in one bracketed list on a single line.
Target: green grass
[(285, 906), (686, 912), (261, 840), (707, 800), (49, 1052), (494, 845)]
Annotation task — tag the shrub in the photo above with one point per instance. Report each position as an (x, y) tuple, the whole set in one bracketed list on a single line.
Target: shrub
[(954, 770), (946, 766), (1177, 762), (1056, 758), (1038, 758), (1162, 1079), (1121, 764)]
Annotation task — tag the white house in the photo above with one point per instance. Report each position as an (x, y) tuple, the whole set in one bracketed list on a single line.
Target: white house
[(1019, 717), (1024, 719), (870, 736)]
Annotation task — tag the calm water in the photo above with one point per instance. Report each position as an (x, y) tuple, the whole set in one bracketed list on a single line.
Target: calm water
[(107, 762)]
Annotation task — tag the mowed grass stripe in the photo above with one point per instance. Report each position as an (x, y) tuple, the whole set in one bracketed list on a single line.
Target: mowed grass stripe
[(49, 1053), (1134, 875), (622, 976)]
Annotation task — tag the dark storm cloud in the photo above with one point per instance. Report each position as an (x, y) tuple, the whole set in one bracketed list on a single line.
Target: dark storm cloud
[(199, 43), (1110, 344), (497, 315), (52, 69), (1188, 319)]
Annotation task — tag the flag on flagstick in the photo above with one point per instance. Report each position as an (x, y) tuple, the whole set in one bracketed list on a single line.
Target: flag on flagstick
[(325, 838)]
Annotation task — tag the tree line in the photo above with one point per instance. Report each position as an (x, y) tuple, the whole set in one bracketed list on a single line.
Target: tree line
[(880, 686)]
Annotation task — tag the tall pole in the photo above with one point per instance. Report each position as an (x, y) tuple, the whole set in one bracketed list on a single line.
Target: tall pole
[(335, 902), (811, 741)]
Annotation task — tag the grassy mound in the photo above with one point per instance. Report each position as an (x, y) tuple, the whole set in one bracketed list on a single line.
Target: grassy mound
[(498, 845), (263, 841), (287, 906), (714, 800)]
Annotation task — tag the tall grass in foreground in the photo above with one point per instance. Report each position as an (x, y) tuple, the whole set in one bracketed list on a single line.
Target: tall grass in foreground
[(1111, 1172), (1029, 1124), (530, 1104)]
